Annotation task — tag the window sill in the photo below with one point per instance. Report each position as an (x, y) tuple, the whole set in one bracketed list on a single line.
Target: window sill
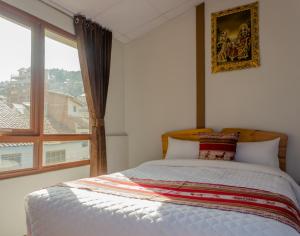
[(32, 171)]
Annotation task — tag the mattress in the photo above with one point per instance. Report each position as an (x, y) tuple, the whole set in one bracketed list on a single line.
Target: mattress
[(63, 211)]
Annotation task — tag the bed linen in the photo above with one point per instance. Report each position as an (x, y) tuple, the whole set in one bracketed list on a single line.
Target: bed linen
[(64, 211)]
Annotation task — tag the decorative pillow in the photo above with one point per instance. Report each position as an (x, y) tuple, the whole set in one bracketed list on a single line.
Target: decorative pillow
[(263, 153), (218, 146), (182, 149)]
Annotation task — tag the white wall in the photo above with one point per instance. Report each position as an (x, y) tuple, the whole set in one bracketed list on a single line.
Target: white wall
[(160, 93), (160, 82), (266, 97), (115, 113), (12, 191), (117, 153)]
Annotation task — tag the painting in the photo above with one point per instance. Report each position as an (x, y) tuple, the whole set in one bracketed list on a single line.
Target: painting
[(235, 38)]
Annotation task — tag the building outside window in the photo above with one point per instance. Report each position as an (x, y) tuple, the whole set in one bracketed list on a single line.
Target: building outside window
[(55, 157), (14, 158)]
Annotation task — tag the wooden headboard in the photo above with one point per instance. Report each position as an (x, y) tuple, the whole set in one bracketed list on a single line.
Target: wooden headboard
[(246, 135), (189, 134), (251, 135)]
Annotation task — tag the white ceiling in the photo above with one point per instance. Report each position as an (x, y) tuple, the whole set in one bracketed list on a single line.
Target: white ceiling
[(128, 19)]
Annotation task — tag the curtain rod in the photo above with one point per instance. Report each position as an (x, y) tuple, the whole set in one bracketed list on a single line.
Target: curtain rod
[(59, 8)]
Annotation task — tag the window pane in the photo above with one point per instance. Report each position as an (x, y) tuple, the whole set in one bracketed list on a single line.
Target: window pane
[(64, 152), (15, 75), (14, 156), (66, 109)]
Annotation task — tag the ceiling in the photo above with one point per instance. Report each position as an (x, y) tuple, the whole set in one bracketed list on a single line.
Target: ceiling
[(128, 19)]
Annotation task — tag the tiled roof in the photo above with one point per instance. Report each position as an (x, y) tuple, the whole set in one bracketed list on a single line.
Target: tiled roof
[(10, 118), (14, 144), (61, 128), (48, 127), (54, 127)]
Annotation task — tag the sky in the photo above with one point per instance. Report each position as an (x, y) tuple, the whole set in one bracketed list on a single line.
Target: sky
[(15, 51)]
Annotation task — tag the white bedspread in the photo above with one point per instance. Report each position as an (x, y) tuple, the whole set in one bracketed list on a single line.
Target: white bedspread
[(60, 211)]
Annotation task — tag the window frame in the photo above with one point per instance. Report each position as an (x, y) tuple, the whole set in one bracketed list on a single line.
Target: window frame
[(35, 133)]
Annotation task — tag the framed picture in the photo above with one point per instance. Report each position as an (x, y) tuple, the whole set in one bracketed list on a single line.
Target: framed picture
[(235, 41)]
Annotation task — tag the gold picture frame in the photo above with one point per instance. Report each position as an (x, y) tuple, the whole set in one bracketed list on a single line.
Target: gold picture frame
[(235, 38)]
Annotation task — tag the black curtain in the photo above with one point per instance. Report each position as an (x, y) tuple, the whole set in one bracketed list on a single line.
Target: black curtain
[(94, 46)]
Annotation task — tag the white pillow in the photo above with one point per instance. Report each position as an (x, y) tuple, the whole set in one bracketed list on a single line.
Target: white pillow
[(182, 149), (263, 153)]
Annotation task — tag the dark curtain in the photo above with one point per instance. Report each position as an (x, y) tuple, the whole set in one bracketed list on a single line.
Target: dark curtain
[(94, 47)]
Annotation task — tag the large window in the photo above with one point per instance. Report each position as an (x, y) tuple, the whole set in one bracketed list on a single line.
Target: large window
[(44, 119)]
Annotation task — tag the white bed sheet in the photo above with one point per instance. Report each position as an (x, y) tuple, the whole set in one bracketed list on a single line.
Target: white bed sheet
[(61, 211)]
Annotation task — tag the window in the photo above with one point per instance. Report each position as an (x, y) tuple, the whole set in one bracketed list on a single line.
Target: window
[(39, 62)]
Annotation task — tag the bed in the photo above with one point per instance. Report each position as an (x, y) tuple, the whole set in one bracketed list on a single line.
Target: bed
[(99, 206)]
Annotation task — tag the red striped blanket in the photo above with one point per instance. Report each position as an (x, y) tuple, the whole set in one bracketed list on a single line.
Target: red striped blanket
[(214, 196)]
